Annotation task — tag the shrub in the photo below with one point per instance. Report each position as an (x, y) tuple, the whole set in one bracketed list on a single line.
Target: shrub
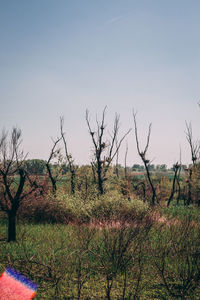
[(65, 208), (114, 207), (176, 257), (42, 210)]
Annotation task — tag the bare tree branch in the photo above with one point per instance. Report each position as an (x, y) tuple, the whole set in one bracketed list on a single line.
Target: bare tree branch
[(102, 164), (90, 130), (68, 156), (125, 161), (142, 154), (53, 153), (194, 145)]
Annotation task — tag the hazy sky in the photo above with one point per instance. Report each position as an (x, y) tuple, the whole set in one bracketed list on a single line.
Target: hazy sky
[(59, 57)]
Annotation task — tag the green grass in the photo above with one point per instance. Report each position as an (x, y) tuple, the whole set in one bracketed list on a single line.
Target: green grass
[(81, 261), (46, 253), (58, 257), (180, 211)]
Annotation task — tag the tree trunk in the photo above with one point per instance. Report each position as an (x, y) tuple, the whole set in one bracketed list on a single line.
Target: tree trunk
[(151, 185), (72, 182), (173, 187), (179, 191), (11, 226), (53, 181), (108, 289), (189, 197), (100, 180)]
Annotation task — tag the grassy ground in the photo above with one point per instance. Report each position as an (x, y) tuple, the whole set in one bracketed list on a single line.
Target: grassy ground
[(142, 261)]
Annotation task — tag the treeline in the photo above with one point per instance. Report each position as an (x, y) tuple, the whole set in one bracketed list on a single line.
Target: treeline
[(38, 167)]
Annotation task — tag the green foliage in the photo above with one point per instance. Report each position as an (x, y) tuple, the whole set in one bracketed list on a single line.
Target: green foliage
[(35, 166), (176, 259), (180, 212), (113, 206), (65, 208), (91, 246), (121, 260), (125, 262), (67, 261)]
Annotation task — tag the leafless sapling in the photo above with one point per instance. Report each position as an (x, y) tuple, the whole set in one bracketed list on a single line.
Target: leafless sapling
[(176, 169), (194, 145), (125, 162), (145, 161), (72, 167), (178, 179), (126, 183), (102, 163), (195, 151), (117, 160), (55, 152)]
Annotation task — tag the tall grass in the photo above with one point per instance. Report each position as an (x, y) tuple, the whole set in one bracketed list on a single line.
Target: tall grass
[(142, 261)]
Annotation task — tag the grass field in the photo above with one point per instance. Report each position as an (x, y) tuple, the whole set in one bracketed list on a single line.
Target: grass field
[(144, 260)]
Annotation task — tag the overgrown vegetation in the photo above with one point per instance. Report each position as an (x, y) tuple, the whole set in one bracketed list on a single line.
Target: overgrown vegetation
[(146, 261), (102, 231)]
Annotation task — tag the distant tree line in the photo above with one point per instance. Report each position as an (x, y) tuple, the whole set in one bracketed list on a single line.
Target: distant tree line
[(38, 167)]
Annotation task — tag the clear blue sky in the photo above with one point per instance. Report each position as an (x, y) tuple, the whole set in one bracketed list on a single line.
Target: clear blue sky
[(59, 57)]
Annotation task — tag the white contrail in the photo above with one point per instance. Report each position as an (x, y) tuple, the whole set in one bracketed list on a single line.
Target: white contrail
[(117, 19)]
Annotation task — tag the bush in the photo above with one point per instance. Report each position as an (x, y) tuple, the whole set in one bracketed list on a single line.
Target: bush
[(61, 208), (65, 208), (42, 209), (114, 207), (176, 258)]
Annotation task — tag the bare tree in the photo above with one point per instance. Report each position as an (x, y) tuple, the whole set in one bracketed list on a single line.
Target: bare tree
[(117, 160), (178, 179), (195, 151), (55, 151), (101, 163), (194, 145), (145, 161), (12, 178), (70, 161), (176, 168), (125, 162)]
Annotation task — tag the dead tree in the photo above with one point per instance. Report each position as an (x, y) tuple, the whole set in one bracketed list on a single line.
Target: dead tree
[(117, 160), (176, 168), (195, 151), (55, 152), (178, 179), (102, 163), (125, 162), (145, 161), (72, 167), (13, 178), (194, 145)]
